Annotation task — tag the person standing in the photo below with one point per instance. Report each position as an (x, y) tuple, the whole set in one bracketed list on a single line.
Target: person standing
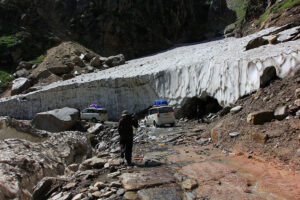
[(125, 129)]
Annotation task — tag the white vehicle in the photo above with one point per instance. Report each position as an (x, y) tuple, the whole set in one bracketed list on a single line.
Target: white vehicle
[(94, 114), (160, 116)]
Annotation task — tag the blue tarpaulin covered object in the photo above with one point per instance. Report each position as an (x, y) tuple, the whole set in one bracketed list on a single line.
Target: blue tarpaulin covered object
[(160, 102), (95, 106)]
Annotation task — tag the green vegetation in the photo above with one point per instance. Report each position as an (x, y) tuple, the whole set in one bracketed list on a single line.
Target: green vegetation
[(277, 7), (38, 60), (5, 78), (8, 41), (239, 7)]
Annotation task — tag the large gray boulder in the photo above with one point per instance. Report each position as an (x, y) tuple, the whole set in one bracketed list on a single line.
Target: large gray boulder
[(56, 120), (20, 85)]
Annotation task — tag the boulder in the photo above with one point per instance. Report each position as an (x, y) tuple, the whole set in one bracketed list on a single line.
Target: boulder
[(236, 109), (92, 163), (95, 129), (113, 61), (60, 69), (260, 117), (297, 93), (96, 62), (21, 73), (43, 74), (256, 42), (78, 62), (56, 120), (20, 85), (281, 112), (44, 188)]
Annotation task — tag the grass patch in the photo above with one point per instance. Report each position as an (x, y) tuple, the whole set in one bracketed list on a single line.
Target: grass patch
[(5, 78), (239, 7), (277, 7), (38, 60), (8, 41)]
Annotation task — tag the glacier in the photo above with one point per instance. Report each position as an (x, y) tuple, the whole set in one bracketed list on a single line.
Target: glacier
[(221, 69)]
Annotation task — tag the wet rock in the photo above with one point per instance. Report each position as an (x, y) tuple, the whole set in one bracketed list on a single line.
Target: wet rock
[(56, 120), (20, 85), (297, 93), (113, 61), (92, 163), (189, 184), (135, 181), (256, 42), (236, 109), (260, 138), (260, 117), (160, 193), (281, 112), (130, 196)]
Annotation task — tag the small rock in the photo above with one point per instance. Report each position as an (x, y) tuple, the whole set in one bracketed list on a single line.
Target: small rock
[(113, 61), (69, 186), (115, 184), (189, 184), (281, 112), (234, 134), (96, 62), (120, 192), (97, 194), (100, 185), (130, 196), (78, 197), (260, 117), (78, 62), (297, 153), (190, 196), (90, 69), (297, 102), (259, 137), (265, 99), (106, 165), (273, 39), (236, 109), (114, 174)]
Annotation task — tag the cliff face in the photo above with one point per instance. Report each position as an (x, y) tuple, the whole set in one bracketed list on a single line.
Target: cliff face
[(134, 28)]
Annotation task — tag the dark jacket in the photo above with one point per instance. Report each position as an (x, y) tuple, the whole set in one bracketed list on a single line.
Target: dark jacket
[(125, 127)]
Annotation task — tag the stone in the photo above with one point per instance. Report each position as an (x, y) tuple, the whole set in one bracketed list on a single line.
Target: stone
[(20, 85), (92, 163), (190, 196), (100, 185), (234, 134), (281, 112), (214, 134), (24, 64), (297, 93), (189, 184), (69, 186), (260, 117), (114, 174), (130, 196), (21, 73), (101, 146), (236, 109), (120, 192), (96, 62), (256, 42), (78, 196), (44, 188), (147, 178), (43, 74), (59, 69), (90, 69), (260, 138), (67, 76), (73, 167), (160, 193), (297, 154), (115, 184), (113, 61), (297, 102), (95, 129), (78, 62), (56, 120), (273, 39), (97, 194), (88, 56)]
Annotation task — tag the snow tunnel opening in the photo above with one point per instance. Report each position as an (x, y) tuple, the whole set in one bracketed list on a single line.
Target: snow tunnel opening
[(268, 76), (205, 104)]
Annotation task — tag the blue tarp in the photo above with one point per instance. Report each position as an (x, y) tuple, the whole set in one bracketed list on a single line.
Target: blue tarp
[(95, 106), (160, 102)]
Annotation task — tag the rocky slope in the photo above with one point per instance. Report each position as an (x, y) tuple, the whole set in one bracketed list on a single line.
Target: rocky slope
[(221, 69)]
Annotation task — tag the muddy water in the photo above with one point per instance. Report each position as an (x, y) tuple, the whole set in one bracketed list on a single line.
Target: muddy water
[(8, 132)]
